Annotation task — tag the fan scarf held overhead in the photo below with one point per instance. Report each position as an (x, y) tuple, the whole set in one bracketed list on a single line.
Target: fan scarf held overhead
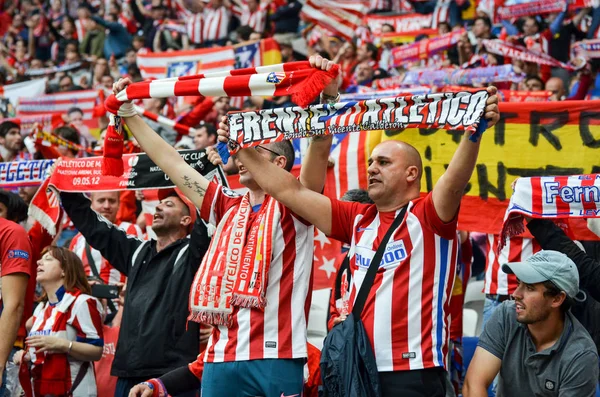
[(297, 79)]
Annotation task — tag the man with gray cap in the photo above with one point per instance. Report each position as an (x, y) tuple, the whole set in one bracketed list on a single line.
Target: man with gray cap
[(534, 341)]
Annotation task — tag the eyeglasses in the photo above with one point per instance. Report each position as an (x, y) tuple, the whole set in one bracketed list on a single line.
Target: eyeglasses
[(267, 149)]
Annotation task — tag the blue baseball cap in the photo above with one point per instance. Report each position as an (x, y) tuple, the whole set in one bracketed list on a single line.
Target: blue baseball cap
[(547, 265)]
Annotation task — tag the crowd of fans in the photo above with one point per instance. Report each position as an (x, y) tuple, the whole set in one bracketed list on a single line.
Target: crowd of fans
[(148, 245)]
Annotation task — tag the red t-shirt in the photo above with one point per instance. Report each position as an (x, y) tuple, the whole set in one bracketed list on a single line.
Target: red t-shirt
[(16, 255)]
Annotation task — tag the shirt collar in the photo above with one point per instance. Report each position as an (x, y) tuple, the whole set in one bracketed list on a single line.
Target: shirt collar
[(59, 294)]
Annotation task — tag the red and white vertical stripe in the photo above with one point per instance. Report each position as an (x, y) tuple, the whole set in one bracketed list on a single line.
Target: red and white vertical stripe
[(255, 19), (406, 315), (279, 331), (517, 249), (195, 28), (440, 13), (216, 23)]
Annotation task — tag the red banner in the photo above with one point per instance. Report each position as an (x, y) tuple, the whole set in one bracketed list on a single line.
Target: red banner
[(401, 23), (424, 49)]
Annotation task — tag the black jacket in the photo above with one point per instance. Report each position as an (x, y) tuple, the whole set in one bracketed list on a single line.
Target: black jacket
[(551, 237), (153, 339)]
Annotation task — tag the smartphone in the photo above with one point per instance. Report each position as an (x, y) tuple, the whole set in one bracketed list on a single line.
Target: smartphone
[(103, 291)]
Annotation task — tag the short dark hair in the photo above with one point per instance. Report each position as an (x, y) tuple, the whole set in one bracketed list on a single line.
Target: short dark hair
[(69, 133), (7, 126), (16, 208), (372, 48), (534, 77), (211, 129), (357, 196), (244, 32), (75, 109), (445, 24), (552, 290), (285, 149), (486, 20)]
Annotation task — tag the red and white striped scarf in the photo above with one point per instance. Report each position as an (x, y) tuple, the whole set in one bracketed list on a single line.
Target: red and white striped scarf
[(297, 79), (234, 273), (551, 197)]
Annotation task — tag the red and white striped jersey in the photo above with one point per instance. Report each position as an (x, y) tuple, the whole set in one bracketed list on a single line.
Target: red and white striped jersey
[(280, 330), (216, 22), (84, 324), (517, 249), (256, 20), (440, 13), (195, 28), (80, 29), (403, 6), (406, 314), (107, 273)]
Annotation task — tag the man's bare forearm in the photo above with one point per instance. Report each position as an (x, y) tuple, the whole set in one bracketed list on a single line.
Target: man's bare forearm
[(450, 188), (9, 327), (192, 183), (314, 165)]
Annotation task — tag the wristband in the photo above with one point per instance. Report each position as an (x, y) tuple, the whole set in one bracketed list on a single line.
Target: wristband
[(330, 99), (70, 346), (127, 110)]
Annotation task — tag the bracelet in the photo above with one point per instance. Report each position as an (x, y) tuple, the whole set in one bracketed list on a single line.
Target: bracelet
[(150, 385), (70, 346), (330, 99), (127, 110)]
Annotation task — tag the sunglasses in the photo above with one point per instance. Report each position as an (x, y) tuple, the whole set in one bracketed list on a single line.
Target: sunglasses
[(267, 149)]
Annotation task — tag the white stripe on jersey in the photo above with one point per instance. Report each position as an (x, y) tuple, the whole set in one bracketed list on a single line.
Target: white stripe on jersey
[(415, 293), (216, 23), (256, 334)]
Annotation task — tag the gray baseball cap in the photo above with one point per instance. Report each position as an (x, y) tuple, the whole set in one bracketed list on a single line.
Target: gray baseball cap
[(547, 265)]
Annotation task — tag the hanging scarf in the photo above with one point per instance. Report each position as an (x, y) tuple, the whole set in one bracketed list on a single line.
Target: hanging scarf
[(53, 69), (425, 48), (505, 49), (457, 111), (84, 175), (53, 376), (485, 75), (365, 93), (49, 139), (23, 173), (553, 197), (234, 270), (590, 49), (532, 8), (297, 79)]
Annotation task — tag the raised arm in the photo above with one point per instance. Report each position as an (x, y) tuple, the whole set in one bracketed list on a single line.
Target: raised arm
[(191, 183), (99, 232), (284, 187), (314, 165), (449, 190)]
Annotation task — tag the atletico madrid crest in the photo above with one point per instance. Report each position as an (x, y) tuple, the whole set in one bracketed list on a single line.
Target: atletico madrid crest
[(275, 77)]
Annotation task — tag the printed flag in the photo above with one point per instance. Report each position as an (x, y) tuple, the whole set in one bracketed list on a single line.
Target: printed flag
[(160, 65), (60, 103), (342, 17)]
